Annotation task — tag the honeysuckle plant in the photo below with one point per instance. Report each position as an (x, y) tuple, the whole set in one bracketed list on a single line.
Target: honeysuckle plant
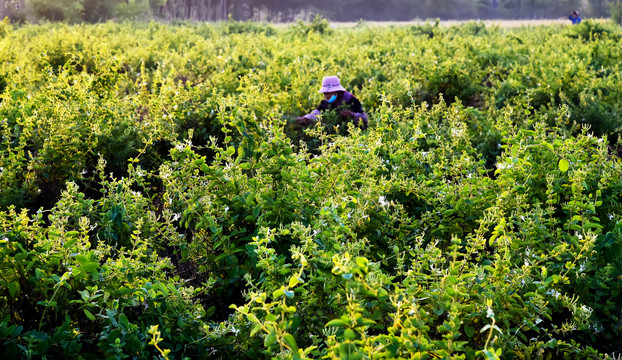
[(157, 199)]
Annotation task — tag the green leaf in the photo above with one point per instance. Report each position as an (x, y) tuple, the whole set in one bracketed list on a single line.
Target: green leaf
[(88, 314), (347, 351), (490, 355), (82, 259), (469, 331), (278, 293), (90, 266), (270, 339), (14, 289), (563, 165), (590, 225), (293, 281), (16, 330), (70, 242), (291, 342), (256, 329), (449, 212), (288, 293), (364, 322), (336, 323), (72, 234)]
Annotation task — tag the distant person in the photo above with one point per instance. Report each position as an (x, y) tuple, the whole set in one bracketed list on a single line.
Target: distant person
[(574, 17), (337, 98)]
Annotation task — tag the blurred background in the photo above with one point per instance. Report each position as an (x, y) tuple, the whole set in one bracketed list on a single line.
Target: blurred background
[(90, 11)]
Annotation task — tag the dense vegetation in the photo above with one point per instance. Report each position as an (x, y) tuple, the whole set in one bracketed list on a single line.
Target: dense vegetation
[(157, 199)]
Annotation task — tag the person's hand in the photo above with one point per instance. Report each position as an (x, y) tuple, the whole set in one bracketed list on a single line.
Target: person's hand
[(301, 120), (347, 113)]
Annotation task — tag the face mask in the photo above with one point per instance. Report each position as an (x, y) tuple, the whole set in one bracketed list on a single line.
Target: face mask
[(332, 99)]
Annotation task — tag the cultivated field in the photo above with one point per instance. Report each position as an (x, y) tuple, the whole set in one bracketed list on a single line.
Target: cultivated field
[(158, 200)]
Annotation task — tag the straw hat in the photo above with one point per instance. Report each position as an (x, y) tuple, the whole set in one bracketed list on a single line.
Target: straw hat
[(331, 84)]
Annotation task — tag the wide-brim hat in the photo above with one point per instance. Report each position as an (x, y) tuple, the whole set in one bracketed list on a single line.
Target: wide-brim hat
[(330, 84)]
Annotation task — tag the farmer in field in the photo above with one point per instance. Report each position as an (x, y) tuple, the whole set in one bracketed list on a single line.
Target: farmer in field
[(337, 98), (574, 17)]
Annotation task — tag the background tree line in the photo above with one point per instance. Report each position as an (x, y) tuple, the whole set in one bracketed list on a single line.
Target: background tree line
[(292, 10)]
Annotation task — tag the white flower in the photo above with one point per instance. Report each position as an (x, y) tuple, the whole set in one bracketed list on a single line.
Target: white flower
[(504, 166), (554, 293), (586, 309), (382, 201), (597, 327)]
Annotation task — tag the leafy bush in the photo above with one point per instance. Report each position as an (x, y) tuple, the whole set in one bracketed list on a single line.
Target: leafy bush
[(157, 199), (318, 25)]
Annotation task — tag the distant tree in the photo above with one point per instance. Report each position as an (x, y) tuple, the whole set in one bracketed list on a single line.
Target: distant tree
[(15, 10), (599, 8), (132, 9), (58, 10), (290, 10), (99, 10), (615, 11)]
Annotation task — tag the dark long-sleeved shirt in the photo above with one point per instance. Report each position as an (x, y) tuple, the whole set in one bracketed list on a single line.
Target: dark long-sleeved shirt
[(345, 101)]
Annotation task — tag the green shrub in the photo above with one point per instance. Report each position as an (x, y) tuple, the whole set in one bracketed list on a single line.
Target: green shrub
[(157, 199)]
